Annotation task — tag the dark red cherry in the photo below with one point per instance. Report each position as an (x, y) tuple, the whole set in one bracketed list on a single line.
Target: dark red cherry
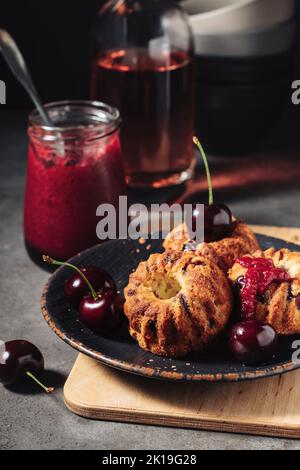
[(253, 342), (76, 287), (101, 314), (217, 217), (20, 361), (217, 222), (84, 280), (99, 310)]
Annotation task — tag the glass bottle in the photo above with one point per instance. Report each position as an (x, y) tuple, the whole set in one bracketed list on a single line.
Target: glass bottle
[(143, 64)]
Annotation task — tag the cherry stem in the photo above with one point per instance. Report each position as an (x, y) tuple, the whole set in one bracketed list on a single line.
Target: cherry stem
[(49, 260), (47, 389), (205, 161)]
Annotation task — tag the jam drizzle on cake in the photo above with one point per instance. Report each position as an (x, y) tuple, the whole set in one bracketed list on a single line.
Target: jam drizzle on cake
[(261, 273)]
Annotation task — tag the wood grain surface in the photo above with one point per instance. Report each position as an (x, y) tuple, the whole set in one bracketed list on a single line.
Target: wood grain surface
[(268, 406)]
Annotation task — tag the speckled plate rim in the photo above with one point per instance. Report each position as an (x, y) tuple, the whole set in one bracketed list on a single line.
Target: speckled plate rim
[(157, 373)]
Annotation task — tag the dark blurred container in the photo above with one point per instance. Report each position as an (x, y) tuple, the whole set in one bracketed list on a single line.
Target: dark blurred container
[(240, 100), (243, 76)]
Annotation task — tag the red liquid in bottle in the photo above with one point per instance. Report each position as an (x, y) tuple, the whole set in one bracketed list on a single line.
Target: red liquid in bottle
[(63, 193), (156, 100)]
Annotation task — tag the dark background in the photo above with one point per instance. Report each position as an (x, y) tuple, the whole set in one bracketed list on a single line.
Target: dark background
[(54, 37), (55, 40)]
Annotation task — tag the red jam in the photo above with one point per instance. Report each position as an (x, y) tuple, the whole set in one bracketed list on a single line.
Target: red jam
[(61, 199), (66, 182), (259, 263), (261, 273)]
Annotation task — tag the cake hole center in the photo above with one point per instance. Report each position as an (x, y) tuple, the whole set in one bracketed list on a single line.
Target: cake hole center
[(164, 286)]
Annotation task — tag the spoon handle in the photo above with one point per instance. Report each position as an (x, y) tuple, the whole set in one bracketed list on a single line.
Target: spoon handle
[(18, 67)]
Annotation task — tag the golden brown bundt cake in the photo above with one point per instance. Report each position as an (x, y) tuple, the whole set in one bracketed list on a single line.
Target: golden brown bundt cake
[(280, 303), (223, 252), (177, 303)]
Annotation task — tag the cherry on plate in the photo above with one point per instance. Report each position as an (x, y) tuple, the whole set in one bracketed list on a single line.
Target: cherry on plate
[(83, 281), (100, 310), (101, 313), (76, 287), (253, 342)]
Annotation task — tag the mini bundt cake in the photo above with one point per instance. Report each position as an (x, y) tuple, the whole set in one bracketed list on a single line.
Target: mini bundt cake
[(177, 303), (223, 252), (277, 298)]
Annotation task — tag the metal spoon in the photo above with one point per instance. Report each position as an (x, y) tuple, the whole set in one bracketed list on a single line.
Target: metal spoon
[(18, 67)]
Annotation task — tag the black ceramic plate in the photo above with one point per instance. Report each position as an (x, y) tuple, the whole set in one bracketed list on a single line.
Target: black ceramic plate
[(120, 258)]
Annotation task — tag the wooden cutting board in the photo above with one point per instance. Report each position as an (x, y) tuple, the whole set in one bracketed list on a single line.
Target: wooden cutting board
[(268, 406)]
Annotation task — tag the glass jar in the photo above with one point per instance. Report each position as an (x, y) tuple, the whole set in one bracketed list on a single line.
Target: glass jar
[(143, 63), (72, 168)]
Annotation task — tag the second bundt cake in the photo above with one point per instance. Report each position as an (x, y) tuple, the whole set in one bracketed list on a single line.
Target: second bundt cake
[(223, 252), (177, 303), (278, 300)]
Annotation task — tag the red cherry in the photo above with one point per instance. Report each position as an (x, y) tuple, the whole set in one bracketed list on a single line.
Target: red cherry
[(99, 310), (85, 280), (100, 314), (76, 287), (217, 221), (253, 342), (19, 361), (217, 217)]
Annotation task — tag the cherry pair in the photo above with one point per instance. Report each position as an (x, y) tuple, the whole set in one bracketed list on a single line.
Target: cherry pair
[(93, 291)]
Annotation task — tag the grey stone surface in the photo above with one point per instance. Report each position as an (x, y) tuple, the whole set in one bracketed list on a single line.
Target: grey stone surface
[(32, 420)]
